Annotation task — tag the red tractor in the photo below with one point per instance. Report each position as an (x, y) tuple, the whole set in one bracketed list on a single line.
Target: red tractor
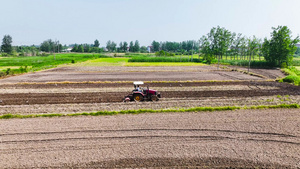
[(139, 94)]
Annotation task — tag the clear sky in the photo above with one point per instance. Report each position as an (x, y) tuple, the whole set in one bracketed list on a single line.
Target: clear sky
[(82, 21)]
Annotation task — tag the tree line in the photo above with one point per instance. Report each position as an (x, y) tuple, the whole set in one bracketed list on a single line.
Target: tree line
[(111, 46), (219, 43)]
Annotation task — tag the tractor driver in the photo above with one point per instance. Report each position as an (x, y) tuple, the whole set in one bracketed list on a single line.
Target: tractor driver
[(138, 88)]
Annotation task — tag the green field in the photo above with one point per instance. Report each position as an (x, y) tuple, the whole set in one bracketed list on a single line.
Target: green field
[(6, 67), (39, 61), (17, 65), (12, 67), (136, 64), (124, 62), (103, 62)]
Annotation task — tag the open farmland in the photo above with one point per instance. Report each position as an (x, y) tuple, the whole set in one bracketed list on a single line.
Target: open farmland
[(97, 96), (239, 139), (103, 73), (252, 138)]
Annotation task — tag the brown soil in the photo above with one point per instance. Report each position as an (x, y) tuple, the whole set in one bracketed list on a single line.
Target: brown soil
[(130, 74), (269, 73), (164, 103), (253, 90), (227, 139)]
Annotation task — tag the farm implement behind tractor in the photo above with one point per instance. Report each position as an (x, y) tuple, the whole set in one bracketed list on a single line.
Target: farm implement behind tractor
[(140, 94)]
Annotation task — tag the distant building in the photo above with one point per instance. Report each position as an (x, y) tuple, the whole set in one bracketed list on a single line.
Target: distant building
[(149, 49), (68, 50)]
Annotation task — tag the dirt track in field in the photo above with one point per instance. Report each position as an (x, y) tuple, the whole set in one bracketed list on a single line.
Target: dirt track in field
[(243, 138)]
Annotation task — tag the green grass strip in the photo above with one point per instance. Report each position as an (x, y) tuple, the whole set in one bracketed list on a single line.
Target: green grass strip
[(195, 109)]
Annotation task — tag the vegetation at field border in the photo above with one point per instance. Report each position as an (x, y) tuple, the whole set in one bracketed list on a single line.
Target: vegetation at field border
[(195, 109), (293, 76), (37, 63), (32, 64)]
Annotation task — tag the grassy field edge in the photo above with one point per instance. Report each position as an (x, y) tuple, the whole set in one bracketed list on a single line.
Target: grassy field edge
[(195, 109)]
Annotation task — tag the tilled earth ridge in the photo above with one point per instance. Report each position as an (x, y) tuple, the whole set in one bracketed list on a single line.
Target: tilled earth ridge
[(169, 103), (127, 89), (241, 138), (110, 92)]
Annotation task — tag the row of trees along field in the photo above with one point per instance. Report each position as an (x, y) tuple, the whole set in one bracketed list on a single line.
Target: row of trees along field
[(111, 46), (51, 46), (46, 46), (220, 43), (184, 46)]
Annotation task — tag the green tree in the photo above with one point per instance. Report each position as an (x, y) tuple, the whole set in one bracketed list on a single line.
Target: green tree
[(298, 51), (75, 48), (60, 47), (171, 46), (223, 41), (80, 49), (205, 49), (6, 44), (184, 45), (155, 46), (120, 49), (96, 43), (125, 46), (215, 44), (144, 49), (108, 45), (163, 46), (243, 48), (236, 44), (113, 46), (47, 45), (86, 48), (136, 46), (160, 53), (131, 47), (189, 45), (279, 50), (51, 46), (253, 47)]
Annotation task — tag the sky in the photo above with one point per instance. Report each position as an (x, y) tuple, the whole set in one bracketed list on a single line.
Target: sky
[(83, 21)]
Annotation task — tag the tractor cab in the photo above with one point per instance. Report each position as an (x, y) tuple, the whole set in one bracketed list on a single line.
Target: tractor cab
[(142, 94)]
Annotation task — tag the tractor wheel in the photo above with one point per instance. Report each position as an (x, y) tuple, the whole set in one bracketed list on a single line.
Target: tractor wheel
[(154, 98), (138, 97)]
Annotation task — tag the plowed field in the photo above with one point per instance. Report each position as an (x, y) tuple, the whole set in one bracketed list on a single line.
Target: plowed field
[(244, 138), (238, 139), (184, 73)]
